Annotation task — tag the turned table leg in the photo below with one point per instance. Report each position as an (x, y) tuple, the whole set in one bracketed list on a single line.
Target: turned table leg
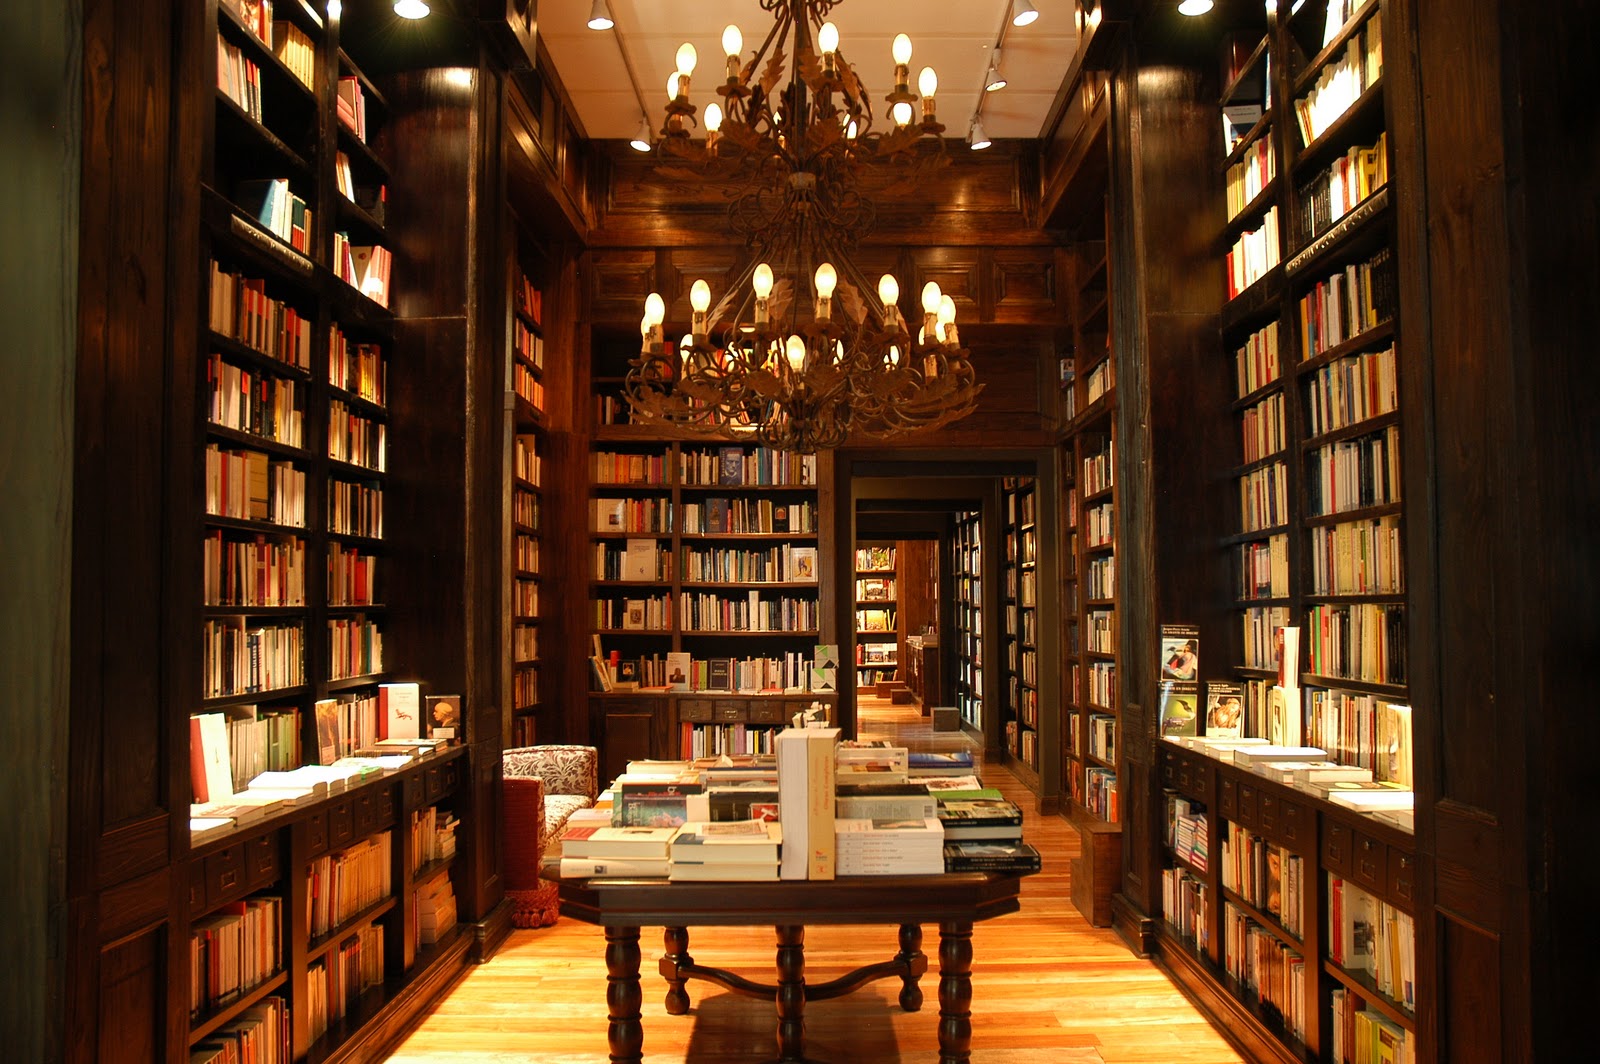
[(910, 950), (791, 995), (955, 993), (625, 1033), (676, 942)]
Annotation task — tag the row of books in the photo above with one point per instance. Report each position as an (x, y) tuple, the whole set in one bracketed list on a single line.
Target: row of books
[(355, 439), (1263, 429), (276, 208), (257, 571), (1263, 567), (1256, 362), (1265, 875), (358, 368), (784, 563), (1346, 303), (1353, 474), (1253, 254), (717, 516), (252, 486), (1357, 558), (355, 509), (1351, 390), (239, 308), (737, 467), (238, 947), (262, 1034), (791, 672), (1341, 82), (352, 576), (248, 400), (1338, 190), (364, 267)]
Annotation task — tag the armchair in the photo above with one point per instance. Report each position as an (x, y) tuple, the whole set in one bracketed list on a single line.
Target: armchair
[(542, 786)]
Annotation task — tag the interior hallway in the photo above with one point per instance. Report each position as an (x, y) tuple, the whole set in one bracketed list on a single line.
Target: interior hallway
[(1047, 987)]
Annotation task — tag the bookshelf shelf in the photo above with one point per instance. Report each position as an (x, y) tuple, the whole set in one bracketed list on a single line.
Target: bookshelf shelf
[(1363, 984), (201, 1027), (321, 944)]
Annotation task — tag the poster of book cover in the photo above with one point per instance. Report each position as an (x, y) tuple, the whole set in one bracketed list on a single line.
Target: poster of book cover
[(1224, 709), (1180, 652), (1180, 708)]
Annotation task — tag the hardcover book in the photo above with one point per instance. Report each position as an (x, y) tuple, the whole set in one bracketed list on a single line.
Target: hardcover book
[(1224, 709), (730, 466), (1179, 715), (980, 819), (639, 842), (717, 514), (990, 856), (639, 560), (399, 711), (679, 668), (803, 565), (1180, 652)]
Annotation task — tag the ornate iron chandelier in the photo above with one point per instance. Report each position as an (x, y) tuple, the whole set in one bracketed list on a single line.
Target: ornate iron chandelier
[(802, 351)]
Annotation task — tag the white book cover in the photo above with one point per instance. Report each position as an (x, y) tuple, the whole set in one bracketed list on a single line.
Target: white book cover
[(613, 867), (402, 710), (639, 560), (219, 766), (790, 745)]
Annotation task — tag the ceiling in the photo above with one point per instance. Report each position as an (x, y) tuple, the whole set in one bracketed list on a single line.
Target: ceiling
[(955, 37)]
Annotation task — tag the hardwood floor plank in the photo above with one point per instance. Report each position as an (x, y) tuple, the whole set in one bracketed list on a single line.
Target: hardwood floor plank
[(1047, 987)]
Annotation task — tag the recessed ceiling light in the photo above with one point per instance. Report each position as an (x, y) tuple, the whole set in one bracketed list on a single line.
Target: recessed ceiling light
[(1194, 7), (411, 9)]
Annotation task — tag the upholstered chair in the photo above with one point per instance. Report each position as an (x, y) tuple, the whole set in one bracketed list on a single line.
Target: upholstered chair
[(543, 786)]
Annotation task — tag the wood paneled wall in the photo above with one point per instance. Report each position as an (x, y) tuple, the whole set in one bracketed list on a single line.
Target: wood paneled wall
[(1497, 334)]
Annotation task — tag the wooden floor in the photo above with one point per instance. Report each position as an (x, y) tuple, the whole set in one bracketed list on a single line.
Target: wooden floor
[(1047, 987)]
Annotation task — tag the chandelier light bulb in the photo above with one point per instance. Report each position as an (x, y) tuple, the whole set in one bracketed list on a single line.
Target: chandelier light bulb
[(1024, 13), (947, 309), (894, 356), (687, 57), (795, 352), (674, 79), (762, 281), (902, 113), (827, 279), (888, 290), (850, 130), (901, 49), (713, 118), (655, 308), (930, 298), (927, 81), (828, 38), (732, 42), (700, 296)]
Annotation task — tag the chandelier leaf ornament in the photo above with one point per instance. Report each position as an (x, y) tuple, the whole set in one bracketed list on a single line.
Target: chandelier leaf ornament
[(802, 351)]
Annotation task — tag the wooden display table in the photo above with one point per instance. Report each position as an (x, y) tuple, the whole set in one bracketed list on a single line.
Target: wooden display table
[(954, 901)]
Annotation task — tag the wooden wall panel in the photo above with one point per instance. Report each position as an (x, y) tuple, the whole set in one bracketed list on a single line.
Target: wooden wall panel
[(959, 272), (131, 999), (718, 266), (617, 282)]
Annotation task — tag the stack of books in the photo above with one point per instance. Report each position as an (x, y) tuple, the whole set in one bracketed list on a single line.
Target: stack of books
[(904, 846), (725, 851), (590, 851)]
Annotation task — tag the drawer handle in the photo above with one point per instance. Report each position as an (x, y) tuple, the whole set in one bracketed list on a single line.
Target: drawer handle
[(228, 879)]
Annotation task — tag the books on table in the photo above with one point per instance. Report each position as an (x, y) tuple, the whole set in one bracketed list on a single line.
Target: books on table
[(653, 801), (805, 801), (980, 819), (890, 846), (990, 855), (875, 800), (595, 841), (614, 867), (731, 850), (948, 763), (1249, 756)]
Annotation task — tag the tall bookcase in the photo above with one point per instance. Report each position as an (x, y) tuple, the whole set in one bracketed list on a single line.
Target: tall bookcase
[(525, 382), (1300, 910), (966, 570), (293, 410), (1020, 713), (877, 614), (706, 594)]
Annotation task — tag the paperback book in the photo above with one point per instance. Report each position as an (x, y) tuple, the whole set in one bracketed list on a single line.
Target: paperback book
[(972, 855)]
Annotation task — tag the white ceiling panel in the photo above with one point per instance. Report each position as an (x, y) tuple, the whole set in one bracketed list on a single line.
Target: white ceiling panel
[(955, 37)]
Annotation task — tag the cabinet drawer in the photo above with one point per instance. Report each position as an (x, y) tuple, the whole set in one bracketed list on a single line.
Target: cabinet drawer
[(341, 824), (694, 709), (1284, 820), (386, 807), (1201, 776), (413, 790), (1169, 770), (364, 806), (1185, 774), (1249, 805), (317, 834), (724, 712), (1369, 862), (1336, 848), (452, 775), (224, 875), (432, 783), (261, 861), (1228, 800), (766, 713), (1402, 879)]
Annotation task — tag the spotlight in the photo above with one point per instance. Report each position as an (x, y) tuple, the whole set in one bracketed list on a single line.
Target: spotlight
[(600, 16), (1023, 13)]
